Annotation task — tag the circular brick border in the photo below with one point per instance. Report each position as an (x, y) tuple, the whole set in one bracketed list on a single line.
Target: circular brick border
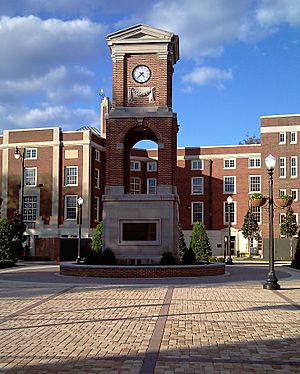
[(121, 271)]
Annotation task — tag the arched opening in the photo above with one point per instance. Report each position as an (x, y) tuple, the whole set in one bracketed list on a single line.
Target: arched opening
[(141, 162)]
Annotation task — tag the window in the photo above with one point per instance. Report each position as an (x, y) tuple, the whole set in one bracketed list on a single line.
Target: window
[(197, 212), (135, 185), (282, 138), (30, 153), (30, 177), (294, 194), (282, 191), (70, 207), (135, 165), (294, 166), (29, 208), (254, 183), (229, 163), (256, 210), (139, 231), (281, 218), (254, 162), (229, 185), (97, 155), (232, 212), (96, 208), (71, 175), (293, 137), (197, 165), (152, 166), (151, 186), (197, 185), (282, 163), (97, 178)]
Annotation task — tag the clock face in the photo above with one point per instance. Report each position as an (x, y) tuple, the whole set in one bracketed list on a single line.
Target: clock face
[(141, 73)]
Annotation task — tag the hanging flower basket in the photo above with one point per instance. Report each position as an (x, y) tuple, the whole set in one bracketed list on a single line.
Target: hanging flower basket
[(257, 200), (284, 201)]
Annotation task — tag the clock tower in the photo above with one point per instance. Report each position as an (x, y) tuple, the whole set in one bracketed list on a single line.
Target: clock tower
[(140, 227)]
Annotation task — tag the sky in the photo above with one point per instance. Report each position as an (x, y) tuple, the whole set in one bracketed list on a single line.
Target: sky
[(239, 60)]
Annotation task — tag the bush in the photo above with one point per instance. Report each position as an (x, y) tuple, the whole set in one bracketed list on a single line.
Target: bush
[(188, 258), (108, 257), (97, 238), (296, 261), (168, 259), (200, 242), (92, 258), (6, 264)]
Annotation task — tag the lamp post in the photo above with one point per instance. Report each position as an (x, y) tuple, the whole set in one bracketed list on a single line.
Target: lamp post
[(18, 154), (271, 283), (79, 202), (229, 259)]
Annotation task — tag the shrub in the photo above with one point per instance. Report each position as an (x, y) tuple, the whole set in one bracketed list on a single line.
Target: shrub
[(97, 238), (6, 264), (168, 259), (92, 258), (189, 257), (6, 241), (108, 257), (296, 261), (182, 243), (200, 242)]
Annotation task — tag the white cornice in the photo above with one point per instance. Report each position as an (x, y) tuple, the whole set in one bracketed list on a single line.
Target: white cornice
[(281, 115), (270, 129), (218, 156)]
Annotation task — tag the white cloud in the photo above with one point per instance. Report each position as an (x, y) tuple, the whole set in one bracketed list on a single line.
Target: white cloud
[(274, 12), (207, 75)]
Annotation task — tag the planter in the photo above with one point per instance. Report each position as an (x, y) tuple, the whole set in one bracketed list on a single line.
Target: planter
[(258, 201), (283, 202)]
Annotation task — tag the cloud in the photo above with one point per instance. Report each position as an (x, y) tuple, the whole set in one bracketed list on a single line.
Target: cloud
[(206, 75), (272, 13)]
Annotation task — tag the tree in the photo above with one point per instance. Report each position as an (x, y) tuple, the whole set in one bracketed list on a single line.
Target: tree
[(296, 260), (97, 238), (289, 227), (250, 228), (200, 242), (6, 243), (253, 139), (18, 228), (182, 243)]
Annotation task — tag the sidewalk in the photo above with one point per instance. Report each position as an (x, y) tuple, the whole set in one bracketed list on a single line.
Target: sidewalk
[(186, 328)]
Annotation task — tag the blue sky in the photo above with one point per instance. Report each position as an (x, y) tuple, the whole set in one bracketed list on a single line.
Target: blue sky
[(239, 59)]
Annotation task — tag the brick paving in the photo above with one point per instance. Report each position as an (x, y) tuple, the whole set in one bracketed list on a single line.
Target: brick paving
[(209, 326)]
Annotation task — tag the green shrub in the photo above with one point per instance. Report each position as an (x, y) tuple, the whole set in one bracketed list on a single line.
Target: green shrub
[(92, 258), (108, 257), (188, 258), (6, 241), (6, 264), (168, 259), (213, 259), (200, 242), (220, 259), (97, 238)]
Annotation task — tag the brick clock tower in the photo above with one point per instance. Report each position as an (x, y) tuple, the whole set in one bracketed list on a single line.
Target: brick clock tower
[(140, 227)]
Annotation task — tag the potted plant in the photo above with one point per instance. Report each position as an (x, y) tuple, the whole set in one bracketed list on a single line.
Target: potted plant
[(257, 199), (284, 201)]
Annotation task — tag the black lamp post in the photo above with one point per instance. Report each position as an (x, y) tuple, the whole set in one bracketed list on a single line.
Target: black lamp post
[(79, 202), (229, 259), (271, 282), (18, 154)]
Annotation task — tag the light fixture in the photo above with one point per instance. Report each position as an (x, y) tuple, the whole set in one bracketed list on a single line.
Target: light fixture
[(270, 162)]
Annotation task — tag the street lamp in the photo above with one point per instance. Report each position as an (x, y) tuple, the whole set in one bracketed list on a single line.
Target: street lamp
[(18, 154), (229, 259), (271, 283), (79, 202)]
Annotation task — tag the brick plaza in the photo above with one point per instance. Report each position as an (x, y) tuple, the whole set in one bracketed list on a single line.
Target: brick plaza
[(227, 324)]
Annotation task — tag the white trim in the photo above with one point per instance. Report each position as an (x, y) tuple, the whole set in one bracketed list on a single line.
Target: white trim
[(223, 146), (254, 158), (230, 192), (35, 176), (296, 136), (201, 166), (192, 211), (87, 155), (282, 191), (286, 128), (30, 149), (234, 212), (148, 187), (201, 185), (249, 183), (154, 163), (55, 177), (218, 156), (281, 115), (295, 166), (133, 163), (284, 136), (229, 159), (296, 190), (65, 208), (283, 176), (69, 167)]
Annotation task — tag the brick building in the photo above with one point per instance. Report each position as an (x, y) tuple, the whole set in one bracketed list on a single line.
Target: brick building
[(144, 189)]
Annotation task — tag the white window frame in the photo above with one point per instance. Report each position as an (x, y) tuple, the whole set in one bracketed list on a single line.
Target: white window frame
[(224, 190), (295, 192), (293, 141), (151, 166), (255, 160), (281, 218), (135, 185), (256, 210), (251, 190), (282, 167), (67, 169), (97, 178), (135, 165), (294, 168), (231, 163), (197, 189), (151, 190), (97, 155), (201, 212), (282, 138), (225, 211), (29, 154), (27, 179), (197, 164), (96, 208), (282, 191), (66, 208)]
